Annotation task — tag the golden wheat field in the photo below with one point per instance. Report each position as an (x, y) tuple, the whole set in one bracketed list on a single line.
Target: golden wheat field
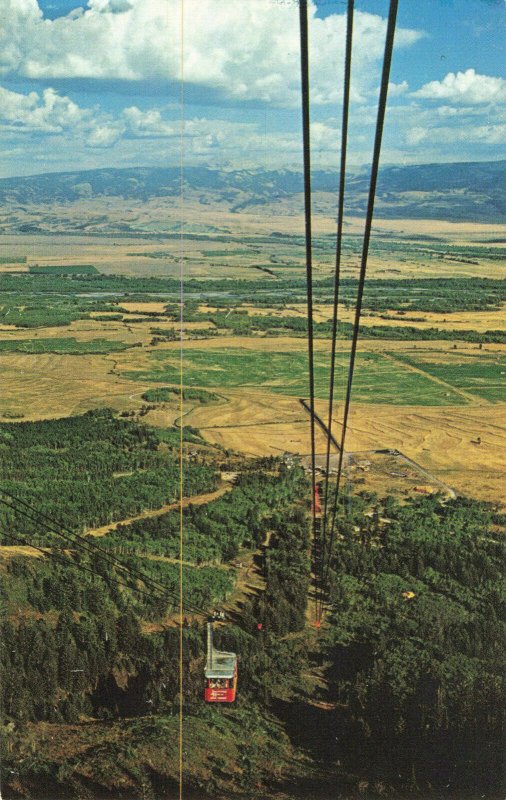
[(256, 422)]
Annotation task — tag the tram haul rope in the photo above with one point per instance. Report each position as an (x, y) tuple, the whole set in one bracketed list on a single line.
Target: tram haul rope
[(326, 542)]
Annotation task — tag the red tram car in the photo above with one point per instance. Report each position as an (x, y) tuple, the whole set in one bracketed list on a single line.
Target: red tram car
[(317, 499), (220, 673)]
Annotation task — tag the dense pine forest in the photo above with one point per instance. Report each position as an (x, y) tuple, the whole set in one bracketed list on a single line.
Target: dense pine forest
[(416, 642), (90, 470)]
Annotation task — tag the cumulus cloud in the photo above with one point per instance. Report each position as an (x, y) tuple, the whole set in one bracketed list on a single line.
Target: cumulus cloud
[(48, 113), (396, 89), (111, 6), (103, 135), (492, 134), (245, 50), (465, 87), (52, 115), (324, 137), (147, 124)]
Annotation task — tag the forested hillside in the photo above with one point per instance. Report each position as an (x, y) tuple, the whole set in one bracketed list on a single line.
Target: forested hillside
[(410, 659), (416, 643), (90, 470), (85, 645)]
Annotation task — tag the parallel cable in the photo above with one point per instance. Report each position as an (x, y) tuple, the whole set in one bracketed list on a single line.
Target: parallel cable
[(87, 545), (337, 276), (67, 561), (387, 60), (159, 590), (306, 139)]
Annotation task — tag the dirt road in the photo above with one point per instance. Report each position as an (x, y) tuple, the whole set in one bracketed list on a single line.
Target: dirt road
[(196, 500)]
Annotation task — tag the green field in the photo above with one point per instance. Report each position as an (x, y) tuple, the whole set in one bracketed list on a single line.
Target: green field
[(485, 378), (236, 251), (63, 346), (65, 269), (376, 380), (12, 259)]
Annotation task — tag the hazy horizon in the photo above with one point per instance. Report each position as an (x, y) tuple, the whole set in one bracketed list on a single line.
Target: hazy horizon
[(359, 170)]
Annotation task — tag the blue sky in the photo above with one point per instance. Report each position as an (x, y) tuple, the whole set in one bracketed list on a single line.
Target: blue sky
[(99, 85)]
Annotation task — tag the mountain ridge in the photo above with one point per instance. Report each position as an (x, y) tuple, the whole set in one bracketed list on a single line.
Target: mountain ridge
[(460, 191)]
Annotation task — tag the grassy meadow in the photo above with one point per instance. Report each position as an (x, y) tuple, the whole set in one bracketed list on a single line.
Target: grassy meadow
[(377, 379)]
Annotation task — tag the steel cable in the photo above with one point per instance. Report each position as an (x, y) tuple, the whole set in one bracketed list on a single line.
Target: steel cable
[(306, 141), (86, 544), (337, 275), (387, 60)]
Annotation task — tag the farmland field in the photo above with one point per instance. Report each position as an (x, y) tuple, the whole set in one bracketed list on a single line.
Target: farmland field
[(410, 248), (61, 345), (483, 376), (88, 324), (377, 379)]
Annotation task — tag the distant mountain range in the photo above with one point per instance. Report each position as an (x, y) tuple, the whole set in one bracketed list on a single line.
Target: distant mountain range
[(455, 192)]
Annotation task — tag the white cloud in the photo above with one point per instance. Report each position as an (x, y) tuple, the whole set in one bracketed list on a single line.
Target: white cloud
[(59, 133), (48, 113), (246, 49), (458, 111), (324, 138), (465, 87), (103, 135), (51, 114), (421, 133), (416, 134), (111, 6), (396, 89), (148, 123), (494, 134)]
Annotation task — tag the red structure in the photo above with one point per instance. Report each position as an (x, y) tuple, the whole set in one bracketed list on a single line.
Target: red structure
[(220, 673), (317, 501)]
